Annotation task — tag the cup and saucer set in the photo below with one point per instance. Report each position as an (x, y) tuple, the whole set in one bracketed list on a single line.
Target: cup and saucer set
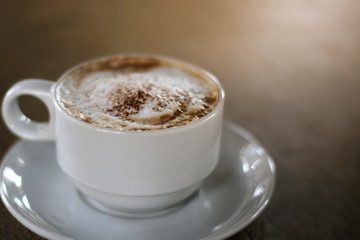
[(68, 185)]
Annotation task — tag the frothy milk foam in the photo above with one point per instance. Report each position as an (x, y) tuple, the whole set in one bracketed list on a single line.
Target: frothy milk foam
[(137, 94)]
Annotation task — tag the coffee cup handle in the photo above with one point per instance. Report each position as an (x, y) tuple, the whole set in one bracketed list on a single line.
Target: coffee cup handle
[(15, 119)]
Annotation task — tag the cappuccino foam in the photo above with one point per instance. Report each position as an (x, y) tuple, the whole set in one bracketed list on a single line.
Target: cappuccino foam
[(126, 95)]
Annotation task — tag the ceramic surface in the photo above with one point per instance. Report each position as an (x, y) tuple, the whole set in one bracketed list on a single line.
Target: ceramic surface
[(163, 166), (44, 199)]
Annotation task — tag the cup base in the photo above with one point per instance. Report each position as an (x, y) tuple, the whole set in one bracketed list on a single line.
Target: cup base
[(120, 212), (135, 206)]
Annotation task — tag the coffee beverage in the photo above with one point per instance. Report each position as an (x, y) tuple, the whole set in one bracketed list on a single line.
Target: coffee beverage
[(137, 93), (137, 135)]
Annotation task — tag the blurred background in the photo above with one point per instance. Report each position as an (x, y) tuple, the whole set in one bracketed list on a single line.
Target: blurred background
[(290, 69)]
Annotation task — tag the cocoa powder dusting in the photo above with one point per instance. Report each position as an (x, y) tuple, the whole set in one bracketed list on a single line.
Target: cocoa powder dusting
[(127, 102)]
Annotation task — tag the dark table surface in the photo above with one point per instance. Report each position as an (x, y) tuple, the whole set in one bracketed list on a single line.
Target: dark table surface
[(291, 71)]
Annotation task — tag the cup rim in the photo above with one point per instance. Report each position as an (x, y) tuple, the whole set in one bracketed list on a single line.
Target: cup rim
[(191, 66)]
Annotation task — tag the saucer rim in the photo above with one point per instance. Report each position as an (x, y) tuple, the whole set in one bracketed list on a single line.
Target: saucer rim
[(237, 226), (233, 227), (43, 232)]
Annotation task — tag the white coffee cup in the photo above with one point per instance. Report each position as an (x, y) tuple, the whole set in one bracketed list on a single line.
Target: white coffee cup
[(131, 173)]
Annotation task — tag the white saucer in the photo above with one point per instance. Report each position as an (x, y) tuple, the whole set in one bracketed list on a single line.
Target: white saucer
[(41, 197)]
